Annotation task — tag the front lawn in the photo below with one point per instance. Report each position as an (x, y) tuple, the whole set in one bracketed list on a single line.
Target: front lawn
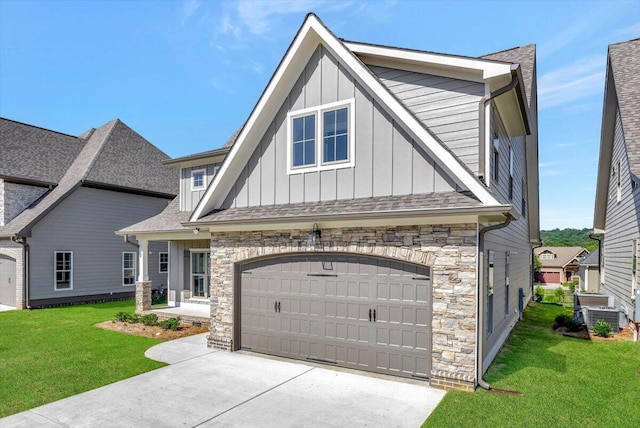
[(565, 382), (49, 354)]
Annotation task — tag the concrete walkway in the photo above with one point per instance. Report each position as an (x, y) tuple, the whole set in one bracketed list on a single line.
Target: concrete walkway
[(206, 388)]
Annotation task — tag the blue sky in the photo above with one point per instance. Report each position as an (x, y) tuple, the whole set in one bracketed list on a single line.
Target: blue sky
[(186, 74)]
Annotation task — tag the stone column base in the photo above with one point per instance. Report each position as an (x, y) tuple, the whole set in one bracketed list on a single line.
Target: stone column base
[(447, 381), (143, 296), (219, 342)]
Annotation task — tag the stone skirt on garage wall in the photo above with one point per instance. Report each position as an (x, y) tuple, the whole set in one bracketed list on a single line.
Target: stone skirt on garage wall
[(449, 250)]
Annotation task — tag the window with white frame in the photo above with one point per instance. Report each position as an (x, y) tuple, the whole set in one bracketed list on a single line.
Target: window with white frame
[(496, 158), (546, 256), (490, 279), (63, 270), (635, 251), (163, 262), (510, 172), (129, 268), (200, 274), (321, 137), (506, 283), (198, 179)]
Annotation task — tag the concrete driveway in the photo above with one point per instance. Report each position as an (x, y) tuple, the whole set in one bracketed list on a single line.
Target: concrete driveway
[(205, 388)]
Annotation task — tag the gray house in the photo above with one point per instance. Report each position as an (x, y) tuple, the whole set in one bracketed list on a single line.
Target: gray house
[(617, 207), (376, 211), (61, 200)]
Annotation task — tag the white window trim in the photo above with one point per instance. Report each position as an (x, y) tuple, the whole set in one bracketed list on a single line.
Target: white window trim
[(319, 165), (207, 272), (204, 179), (55, 271), (160, 262), (618, 183), (135, 268)]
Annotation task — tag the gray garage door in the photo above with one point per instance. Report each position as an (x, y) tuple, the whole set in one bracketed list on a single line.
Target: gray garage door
[(357, 312), (7, 281)]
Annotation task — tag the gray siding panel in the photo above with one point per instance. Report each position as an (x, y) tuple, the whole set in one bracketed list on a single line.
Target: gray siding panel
[(387, 161), (85, 223), (449, 107), (621, 227), (188, 198)]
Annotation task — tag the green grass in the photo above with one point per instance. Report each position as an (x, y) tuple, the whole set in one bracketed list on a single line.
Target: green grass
[(565, 382), (49, 354)]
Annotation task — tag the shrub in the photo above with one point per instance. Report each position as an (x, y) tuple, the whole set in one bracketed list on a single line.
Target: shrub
[(170, 324), (538, 294), (602, 328), (567, 322), (149, 319), (559, 294), (127, 317)]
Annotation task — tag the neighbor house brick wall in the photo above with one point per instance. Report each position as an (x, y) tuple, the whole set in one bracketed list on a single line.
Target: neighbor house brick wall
[(16, 251), (17, 197), (450, 251)]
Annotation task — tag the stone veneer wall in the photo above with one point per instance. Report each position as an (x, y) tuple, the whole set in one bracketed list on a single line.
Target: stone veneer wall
[(450, 251)]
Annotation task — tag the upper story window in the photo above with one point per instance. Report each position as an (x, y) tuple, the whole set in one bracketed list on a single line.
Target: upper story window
[(321, 137), (198, 179), (63, 270), (546, 256), (496, 159)]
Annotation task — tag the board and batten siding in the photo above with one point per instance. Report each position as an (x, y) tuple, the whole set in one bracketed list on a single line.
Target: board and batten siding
[(387, 161), (190, 198), (180, 268), (449, 107), (621, 226), (513, 239), (85, 223)]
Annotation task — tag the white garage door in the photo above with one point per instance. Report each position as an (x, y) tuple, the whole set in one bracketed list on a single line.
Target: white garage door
[(357, 312)]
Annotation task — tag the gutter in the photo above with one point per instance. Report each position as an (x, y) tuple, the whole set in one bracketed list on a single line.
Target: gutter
[(591, 236), (482, 104), (25, 267), (480, 300), (126, 240)]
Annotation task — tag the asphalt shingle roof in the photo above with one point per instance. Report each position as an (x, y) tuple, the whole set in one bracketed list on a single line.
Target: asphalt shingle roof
[(383, 204), (563, 255), (170, 219), (591, 259), (526, 57), (625, 64), (113, 156), (35, 154)]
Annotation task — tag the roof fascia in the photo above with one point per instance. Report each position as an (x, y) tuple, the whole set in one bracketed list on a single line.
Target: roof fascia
[(200, 158), (27, 181), (609, 108), (486, 69), (312, 33)]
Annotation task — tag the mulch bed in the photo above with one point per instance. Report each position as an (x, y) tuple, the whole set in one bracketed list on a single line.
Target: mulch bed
[(626, 334), (139, 329)]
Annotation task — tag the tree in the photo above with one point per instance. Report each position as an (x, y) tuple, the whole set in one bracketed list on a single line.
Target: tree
[(537, 266)]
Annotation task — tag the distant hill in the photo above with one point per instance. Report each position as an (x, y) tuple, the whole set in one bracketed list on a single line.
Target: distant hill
[(568, 238)]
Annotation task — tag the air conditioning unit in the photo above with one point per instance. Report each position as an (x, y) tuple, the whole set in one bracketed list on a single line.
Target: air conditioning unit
[(591, 299), (594, 314)]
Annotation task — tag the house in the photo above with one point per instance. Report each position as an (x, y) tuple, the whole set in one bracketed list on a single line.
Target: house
[(559, 264), (61, 200), (376, 211), (617, 206), (590, 272)]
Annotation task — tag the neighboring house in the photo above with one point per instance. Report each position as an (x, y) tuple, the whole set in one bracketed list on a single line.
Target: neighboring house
[(590, 273), (376, 211), (61, 200), (617, 206), (559, 264)]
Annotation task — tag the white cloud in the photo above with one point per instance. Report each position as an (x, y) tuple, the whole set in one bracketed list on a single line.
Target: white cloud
[(630, 32), (189, 7), (572, 82), (563, 145), (260, 17)]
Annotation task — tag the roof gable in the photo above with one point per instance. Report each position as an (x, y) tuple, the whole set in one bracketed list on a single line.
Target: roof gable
[(562, 255), (310, 35), (622, 95)]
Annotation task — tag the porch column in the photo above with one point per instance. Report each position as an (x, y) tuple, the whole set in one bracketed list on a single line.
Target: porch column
[(143, 285)]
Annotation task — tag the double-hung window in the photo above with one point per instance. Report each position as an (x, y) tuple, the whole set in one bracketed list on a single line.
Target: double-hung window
[(63, 268), (321, 138), (163, 262), (129, 268), (198, 179)]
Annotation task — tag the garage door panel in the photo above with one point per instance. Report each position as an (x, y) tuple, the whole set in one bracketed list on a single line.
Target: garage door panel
[(325, 305)]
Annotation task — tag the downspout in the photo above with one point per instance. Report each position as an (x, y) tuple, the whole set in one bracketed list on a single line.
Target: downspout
[(482, 121), (25, 267), (480, 307), (126, 239), (599, 254)]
